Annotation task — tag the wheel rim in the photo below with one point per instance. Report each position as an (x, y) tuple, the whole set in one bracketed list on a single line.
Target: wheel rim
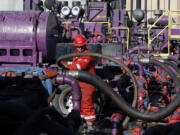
[(65, 103), (68, 103)]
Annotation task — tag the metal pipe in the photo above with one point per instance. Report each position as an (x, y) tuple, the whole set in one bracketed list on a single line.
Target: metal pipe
[(133, 63), (145, 19), (138, 4), (139, 66), (169, 5), (115, 119), (34, 4), (131, 8), (76, 93), (138, 48), (144, 48), (122, 3), (27, 5), (158, 3), (30, 4), (78, 29)]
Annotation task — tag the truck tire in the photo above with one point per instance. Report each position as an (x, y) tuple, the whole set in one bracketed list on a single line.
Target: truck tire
[(63, 100)]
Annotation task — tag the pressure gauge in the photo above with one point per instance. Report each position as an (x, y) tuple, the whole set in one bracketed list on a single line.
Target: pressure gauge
[(65, 10), (75, 11)]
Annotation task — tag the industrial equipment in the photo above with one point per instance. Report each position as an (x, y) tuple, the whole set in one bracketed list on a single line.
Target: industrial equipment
[(137, 67)]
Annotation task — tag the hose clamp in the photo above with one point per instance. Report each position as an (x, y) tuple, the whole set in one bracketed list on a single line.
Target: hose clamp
[(144, 60), (164, 57), (161, 60), (72, 73)]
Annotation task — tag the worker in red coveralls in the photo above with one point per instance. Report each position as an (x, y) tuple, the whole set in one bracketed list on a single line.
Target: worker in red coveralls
[(85, 63)]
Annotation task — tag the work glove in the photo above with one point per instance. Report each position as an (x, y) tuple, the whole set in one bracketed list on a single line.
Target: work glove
[(50, 73)]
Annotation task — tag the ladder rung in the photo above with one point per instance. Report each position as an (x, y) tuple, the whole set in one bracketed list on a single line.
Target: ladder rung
[(161, 54), (175, 36)]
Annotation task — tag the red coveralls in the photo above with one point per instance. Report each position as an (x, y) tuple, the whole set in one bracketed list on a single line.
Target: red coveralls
[(85, 63)]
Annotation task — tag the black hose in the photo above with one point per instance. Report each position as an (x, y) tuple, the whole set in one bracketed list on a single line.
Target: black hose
[(174, 59), (96, 81), (116, 62), (148, 116), (167, 70), (174, 67), (104, 57)]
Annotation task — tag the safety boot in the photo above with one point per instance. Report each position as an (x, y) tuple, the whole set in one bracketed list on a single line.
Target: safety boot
[(91, 129), (83, 128)]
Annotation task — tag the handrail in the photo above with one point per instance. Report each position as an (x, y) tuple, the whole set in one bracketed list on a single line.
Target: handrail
[(159, 33), (149, 38), (123, 28), (174, 13), (170, 14), (127, 5), (167, 27), (174, 10)]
